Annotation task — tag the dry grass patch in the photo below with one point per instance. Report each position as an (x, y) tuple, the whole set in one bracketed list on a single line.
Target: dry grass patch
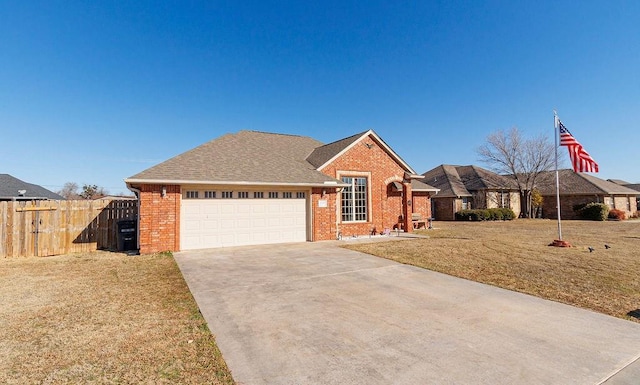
[(103, 318), (515, 255)]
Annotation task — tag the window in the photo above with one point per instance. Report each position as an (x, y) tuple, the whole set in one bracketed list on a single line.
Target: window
[(227, 194), (287, 195), (465, 203), (503, 199), (301, 194), (209, 194), (273, 194), (258, 194), (243, 194), (354, 199), (192, 194)]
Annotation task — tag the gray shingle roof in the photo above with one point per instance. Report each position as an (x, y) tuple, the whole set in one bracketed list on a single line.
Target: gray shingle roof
[(459, 181), (323, 154), (9, 187), (243, 157), (573, 183), (417, 185), (446, 178)]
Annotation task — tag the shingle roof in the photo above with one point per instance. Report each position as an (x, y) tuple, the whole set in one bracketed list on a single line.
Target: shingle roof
[(459, 181), (573, 183), (324, 153), (619, 181), (633, 186), (9, 187), (446, 178), (243, 157), (477, 178), (417, 185)]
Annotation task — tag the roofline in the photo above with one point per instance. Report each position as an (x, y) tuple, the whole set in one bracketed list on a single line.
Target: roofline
[(130, 182), (435, 190), (25, 198), (379, 140)]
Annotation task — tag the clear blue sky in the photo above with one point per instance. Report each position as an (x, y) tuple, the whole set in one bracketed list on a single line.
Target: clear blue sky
[(94, 92)]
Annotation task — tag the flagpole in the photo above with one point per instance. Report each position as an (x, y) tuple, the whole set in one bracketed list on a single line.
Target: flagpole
[(556, 134)]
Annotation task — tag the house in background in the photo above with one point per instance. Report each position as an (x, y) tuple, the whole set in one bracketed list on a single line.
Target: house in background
[(633, 186), (252, 188), (469, 187), (14, 189), (580, 188)]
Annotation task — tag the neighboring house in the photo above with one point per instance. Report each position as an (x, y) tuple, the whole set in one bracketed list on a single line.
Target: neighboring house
[(580, 188), (633, 186), (14, 189), (469, 187), (252, 188)]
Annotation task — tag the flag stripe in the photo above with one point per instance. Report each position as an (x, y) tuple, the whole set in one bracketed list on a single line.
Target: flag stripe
[(580, 158)]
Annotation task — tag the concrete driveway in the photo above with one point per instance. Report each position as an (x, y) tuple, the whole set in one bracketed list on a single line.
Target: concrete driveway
[(314, 313)]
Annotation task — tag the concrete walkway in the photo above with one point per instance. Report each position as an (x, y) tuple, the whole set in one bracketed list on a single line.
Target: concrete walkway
[(314, 313)]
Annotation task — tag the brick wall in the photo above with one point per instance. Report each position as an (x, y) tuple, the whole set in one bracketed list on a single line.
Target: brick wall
[(549, 208), (385, 204), (324, 218), (159, 218)]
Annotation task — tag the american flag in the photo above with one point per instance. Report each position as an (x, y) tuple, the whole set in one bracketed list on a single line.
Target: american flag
[(581, 160)]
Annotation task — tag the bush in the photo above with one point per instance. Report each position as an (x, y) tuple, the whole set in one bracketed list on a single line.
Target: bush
[(495, 214), (594, 212), (617, 214)]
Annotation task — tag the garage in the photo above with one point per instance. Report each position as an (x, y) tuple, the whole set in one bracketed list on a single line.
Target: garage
[(209, 223)]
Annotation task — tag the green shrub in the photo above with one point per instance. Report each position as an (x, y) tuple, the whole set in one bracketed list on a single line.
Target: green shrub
[(617, 214), (594, 212), (495, 214)]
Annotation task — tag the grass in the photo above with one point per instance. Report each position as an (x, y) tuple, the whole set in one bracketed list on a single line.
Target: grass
[(103, 318), (515, 255)]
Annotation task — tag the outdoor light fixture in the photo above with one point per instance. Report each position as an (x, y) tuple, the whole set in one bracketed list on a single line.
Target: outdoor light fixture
[(164, 191)]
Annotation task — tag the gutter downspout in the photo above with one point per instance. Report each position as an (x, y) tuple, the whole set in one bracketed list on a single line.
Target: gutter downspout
[(136, 191)]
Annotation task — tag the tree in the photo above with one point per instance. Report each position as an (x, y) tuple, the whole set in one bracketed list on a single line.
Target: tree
[(69, 191), (523, 160), (92, 191)]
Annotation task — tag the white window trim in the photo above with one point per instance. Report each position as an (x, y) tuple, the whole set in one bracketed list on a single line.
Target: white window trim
[(354, 174)]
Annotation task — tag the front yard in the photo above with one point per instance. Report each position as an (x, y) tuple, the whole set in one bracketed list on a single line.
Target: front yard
[(103, 318), (515, 255)]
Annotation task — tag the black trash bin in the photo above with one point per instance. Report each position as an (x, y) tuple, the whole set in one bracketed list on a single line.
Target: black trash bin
[(127, 235)]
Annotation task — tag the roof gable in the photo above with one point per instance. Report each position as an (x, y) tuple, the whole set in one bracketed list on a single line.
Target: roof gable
[(9, 187), (325, 155), (446, 178), (477, 178), (246, 157)]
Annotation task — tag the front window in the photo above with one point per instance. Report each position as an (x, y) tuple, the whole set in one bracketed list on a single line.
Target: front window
[(354, 199)]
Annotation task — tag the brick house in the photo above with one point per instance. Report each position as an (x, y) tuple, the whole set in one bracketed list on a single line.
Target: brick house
[(252, 188), (580, 188), (469, 187)]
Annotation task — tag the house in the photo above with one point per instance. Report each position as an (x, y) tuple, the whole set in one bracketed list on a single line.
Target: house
[(251, 188), (467, 187), (633, 186), (14, 189), (580, 188)]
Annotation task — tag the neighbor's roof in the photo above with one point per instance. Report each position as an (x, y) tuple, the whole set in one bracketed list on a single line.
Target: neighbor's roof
[(325, 154), (633, 186), (573, 183), (245, 157), (619, 181), (477, 178), (9, 187), (459, 181)]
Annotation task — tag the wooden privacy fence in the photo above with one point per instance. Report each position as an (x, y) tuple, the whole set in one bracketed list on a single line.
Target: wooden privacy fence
[(44, 228)]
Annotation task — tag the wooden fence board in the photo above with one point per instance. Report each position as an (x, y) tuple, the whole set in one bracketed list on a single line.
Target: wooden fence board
[(44, 228)]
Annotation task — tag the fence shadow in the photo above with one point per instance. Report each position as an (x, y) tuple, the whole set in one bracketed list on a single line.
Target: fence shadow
[(102, 230)]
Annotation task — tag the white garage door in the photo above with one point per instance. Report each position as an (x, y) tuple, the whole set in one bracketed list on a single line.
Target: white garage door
[(206, 223)]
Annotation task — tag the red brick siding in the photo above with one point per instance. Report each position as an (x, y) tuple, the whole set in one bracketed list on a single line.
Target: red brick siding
[(385, 205), (323, 218), (159, 218)]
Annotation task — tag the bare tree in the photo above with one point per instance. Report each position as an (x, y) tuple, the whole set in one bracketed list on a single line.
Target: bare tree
[(69, 191), (523, 160)]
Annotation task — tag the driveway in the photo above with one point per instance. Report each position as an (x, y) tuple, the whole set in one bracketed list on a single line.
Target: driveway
[(314, 313)]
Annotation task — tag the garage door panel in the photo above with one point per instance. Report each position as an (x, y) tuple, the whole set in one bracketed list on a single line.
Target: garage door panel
[(238, 222)]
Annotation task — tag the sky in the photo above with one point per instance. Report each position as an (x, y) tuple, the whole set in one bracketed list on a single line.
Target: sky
[(95, 92)]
